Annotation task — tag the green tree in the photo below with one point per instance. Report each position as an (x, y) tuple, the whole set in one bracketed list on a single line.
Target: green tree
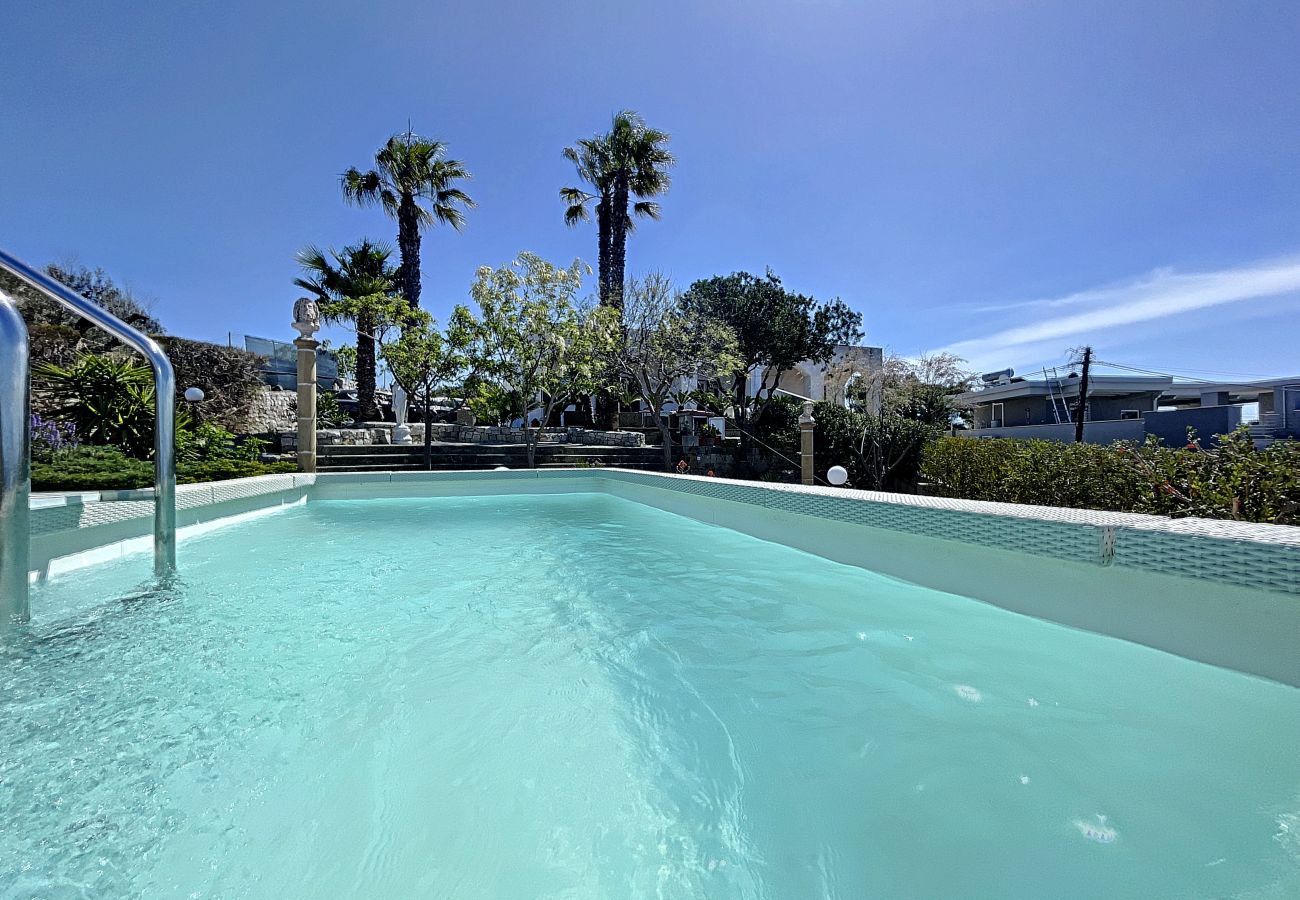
[(629, 161), (532, 340), (345, 358), (58, 335), (897, 413), (666, 349), (775, 329), (415, 183), (422, 360), (358, 288)]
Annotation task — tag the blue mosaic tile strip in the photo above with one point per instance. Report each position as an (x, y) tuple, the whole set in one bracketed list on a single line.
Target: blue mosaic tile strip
[(1059, 540), (1248, 555)]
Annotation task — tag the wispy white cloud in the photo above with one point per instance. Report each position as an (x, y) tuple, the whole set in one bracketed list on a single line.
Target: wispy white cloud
[(1049, 325)]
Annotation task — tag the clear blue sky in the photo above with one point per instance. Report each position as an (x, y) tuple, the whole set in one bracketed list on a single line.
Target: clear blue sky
[(1007, 178)]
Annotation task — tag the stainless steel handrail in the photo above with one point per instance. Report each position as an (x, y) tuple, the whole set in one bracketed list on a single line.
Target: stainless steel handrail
[(15, 464), (164, 530)]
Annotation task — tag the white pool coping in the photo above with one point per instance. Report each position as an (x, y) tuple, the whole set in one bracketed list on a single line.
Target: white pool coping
[(1220, 592)]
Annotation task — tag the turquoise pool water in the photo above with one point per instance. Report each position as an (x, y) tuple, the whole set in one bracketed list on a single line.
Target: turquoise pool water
[(581, 697)]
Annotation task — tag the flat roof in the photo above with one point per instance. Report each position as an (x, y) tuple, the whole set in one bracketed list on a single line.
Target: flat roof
[(1192, 390), (1098, 385)]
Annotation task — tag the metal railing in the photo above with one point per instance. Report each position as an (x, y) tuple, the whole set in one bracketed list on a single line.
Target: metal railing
[(15, 464), (15, 417)]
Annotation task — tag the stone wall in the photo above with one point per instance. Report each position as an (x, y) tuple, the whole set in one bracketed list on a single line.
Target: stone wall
[(273, 411), (483, 434)]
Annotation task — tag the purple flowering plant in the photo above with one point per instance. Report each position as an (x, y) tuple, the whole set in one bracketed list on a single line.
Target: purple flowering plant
[(51, 435)]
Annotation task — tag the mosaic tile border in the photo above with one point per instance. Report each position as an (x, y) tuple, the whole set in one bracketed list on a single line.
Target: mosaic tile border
[(1244, 554)]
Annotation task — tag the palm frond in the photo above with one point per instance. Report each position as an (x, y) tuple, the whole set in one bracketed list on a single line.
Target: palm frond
[(647, 208), (414, 167), (448, 196), (446, 214), (361, 188), (312, 258)]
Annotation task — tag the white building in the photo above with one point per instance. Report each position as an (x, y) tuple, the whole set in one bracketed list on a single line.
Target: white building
[(825, 381)]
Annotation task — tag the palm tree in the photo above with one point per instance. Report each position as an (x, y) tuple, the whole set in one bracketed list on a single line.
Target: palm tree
[(358, 272), (631, 160), (415, 183)]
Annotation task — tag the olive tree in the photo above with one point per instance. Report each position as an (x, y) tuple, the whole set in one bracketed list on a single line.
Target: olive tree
[(667, 349), (422, 360), (775, 328), (533, 340), (897, 412)]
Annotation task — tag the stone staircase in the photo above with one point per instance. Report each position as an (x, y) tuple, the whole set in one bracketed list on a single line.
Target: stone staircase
[(1265, 430), (447, 457)]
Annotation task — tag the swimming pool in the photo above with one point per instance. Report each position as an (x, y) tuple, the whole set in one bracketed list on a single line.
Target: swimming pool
[(579, 695)]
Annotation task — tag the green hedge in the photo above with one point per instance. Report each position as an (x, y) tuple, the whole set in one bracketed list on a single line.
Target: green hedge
[(108, 469), (1230, 481), (230, 378)]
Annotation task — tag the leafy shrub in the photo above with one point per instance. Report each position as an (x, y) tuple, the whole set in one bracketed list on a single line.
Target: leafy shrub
[(109, 469), (776, 428), (328, 412), (1231, 481), (490, 403), (880, 452), (109, 401), (230, 378), (91, 468), (208, 442)]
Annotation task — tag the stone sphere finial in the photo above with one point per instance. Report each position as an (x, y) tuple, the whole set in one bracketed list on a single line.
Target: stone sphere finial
[(306, 316)]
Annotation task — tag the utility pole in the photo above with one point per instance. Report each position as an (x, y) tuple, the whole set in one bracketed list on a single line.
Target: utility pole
[(1083, 396)]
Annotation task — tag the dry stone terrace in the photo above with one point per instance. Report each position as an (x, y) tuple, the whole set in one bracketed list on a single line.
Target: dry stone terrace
[(480, 447), (448, 433)]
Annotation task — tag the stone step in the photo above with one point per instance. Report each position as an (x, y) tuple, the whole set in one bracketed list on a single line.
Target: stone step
[(408, 457)]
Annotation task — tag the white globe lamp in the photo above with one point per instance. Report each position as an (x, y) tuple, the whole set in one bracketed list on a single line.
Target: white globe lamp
[(837, 475), (194, 394)]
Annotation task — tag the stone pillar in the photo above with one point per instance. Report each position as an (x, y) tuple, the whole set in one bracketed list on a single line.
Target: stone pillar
[(306, 402), (806, 443), (306, 321)]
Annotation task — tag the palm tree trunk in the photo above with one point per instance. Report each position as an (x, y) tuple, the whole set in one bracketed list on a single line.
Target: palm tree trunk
[(408, 242), (603, 221), (618, 242), (606, 412), (365, 369)]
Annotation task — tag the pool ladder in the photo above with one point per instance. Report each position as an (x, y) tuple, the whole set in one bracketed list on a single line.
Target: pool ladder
[(15, 435)]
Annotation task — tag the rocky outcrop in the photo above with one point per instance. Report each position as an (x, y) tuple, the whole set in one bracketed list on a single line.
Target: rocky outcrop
[(273, 411)]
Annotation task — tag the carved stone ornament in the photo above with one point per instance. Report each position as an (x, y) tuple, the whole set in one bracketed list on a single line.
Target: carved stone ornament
[(306, 316)]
